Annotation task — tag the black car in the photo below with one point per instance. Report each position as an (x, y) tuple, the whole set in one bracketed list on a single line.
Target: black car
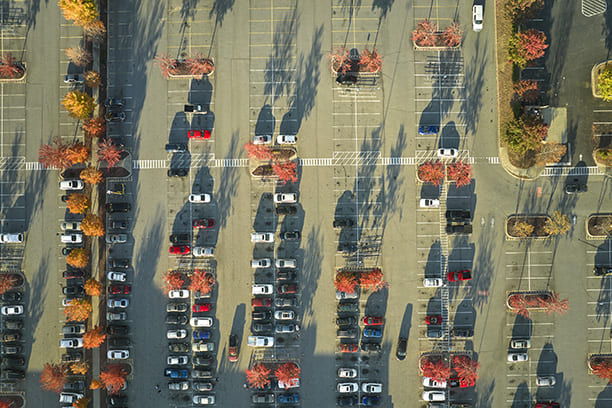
[(602, 270), (290, 235), (73, 290), (114, 116), (347, 248), (119, 263), (72, 357), (117, 330), (179, 347), (176, 319), (203, 361), (180, 238), (67, 250), (202, 374), (74, 386), (13, 324), (119, 341), (458, 229), (575, 188), (285, 302), (348, 307), (346, 321), (119, 224), (262, 327), (400, 353), (286, 210), (346, 79), (118, 207), (368, 346), (344, 222), (177, 172), (8, 337), (176, 147), (458, 215), (347, 401), (286, 275), (113, 103), (434, 333), (13, 374), (11, 297), (267, 315), (14, 361), (116, 401), (462, 332)]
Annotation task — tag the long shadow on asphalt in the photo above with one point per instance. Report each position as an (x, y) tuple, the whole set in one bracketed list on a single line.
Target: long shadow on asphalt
[(392, 197), (484, 266), (406, 324), (36, 296), (461, 257), (522, 396), (432, 266), (602, 258), (266, 122), (522, 328), (547, 366), (228, 184), (604, 397), (219, 9), (278, 75), (200, 93), (472, 94), (484, 393)]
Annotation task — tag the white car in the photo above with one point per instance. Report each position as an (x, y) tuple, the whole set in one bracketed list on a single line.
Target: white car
[(477, 17), (261, 263), (70, 397), (203, 251), (347, 388), (203, 399), (286, 139), (116, 239), (117, 276), (70, 225), (288, 198), (371, 388), (287, 328), (434, 396), (123, 303), (178, 360), (178, 294), (262, 237), (75, 342), (71, 185), (176, 334), (429, 203), (71, 238), (201, 321), (512, 357), (262, 139), (520, 344), (284, 315), (432, 282), (203, 346), (12, 310), (118, 354), (262, 289), (347, 373), (260, 341), (199, 198), (447, 152), (431, 383), (549, 381), (111, 316), (11, 238), (286, 263), (178, 386)]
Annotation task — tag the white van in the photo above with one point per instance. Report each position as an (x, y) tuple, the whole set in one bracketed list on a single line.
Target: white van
[(11, 238), (477, 17)]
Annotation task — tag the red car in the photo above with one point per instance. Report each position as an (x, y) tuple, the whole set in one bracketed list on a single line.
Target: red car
[(201, 307), (434, 319), (287, 288), (180, 249), (348, 348), (261, 302), (203, 223), (547, 405), (119, 289), (72, 274), (373, 320), (198, 134), (459, 276), (232, 350)]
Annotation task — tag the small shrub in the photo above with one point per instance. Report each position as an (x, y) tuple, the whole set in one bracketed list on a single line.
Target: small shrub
[(604, 87)]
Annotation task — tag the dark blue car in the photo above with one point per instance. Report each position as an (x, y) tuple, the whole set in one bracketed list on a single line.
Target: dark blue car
[(371, 401), (372, 332), (288, 398), (176, 373), (429, 130), (201, 334)]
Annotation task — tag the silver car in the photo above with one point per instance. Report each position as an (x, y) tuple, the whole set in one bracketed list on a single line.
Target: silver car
[(116, 239)]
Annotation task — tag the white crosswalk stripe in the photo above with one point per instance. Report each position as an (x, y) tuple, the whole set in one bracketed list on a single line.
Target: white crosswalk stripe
[(592, 8)]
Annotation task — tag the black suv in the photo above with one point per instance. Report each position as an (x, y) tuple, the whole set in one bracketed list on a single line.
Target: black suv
[(117, 329), (344, 222), (119, 342), (575, 188), (11, 297), (262, 327), (180, 238), (602, 270), (367, 346), (462, 332), (176, 147), (118, 207), (119, 224), (178, 172), (267, 315), (72, 357), (286, 210), (119, 263), (458, 215), (346, 321)]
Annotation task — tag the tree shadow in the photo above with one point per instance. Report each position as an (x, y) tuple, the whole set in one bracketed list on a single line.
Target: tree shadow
[(35, 298), (391, 201), (228, 184), (449, 136), (473, 90), (484, 393), (604, 397), (311, 270), (465, 314), (406, 324), (265, 121), (522, 328), (432, 266), (483, 266), (522, 396), (189, 9), (278, 75), (220, 8), (203, 182), (460, 258), (350, 7)]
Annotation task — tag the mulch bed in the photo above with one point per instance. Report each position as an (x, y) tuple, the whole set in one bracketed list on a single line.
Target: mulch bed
[(600, 225), (263, 170), (538, 221)]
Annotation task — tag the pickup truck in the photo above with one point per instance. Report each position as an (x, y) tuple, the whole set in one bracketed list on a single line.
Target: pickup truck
[(195, 109), (458, 215), (458, 228)]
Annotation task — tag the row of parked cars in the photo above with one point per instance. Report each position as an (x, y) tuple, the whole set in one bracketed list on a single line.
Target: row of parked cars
[(12, 361), (181, 243)]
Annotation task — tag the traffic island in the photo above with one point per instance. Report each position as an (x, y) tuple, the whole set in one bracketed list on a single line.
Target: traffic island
[(527, 226), (600, 365), (599, 226), (524, 302)]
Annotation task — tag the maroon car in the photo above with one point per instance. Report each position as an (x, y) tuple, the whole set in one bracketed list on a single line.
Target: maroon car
[(72, 274), (119, 289), (287, 288), (204, 223)]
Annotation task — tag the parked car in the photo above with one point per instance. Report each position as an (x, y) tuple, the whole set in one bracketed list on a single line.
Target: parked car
[(74, 79), (348, 308), (546, 381), (12, 324), (429, 203), (369, 346), (116, 276), (459, 276), (290, 235), (285, 198), (70, 397), (176, 334), (575, 188), (343, 223), (202, 386), (348, 348), (371, 388), (514, 357), (119, 224), (284, 315), (370, 401), (547, 405), (286, 139), (346, 321), (432, 282), (346, 295), (116, 316), (203, 251), (477, 17), (434, 333), (287, 328), (285, 210), (76, 290), (433, 319), (71, 185), (180, 238), (372, 332), (72, 238), (11, 297), (518, 344), (119, 263), (202, 374), (201, 322), (117, 330), (73, 274), (349, 333), (347, 401), (70, 225), (11, 310), (75, 342), (202, 335), (179, 347), (262, 237), (373, 320), (429, 130), (178, 386), (286, 276), (260, 341), (8, 337), (204, 223), (11, 238), (73, 329), (261, 263), (262, 139), (201, 307), (265, 315), (434, 395), (262, 398), (198, 134), (288, 398), (178, 172), (285, 302), (178, 294), (200, 198), (262, 289), (176, 373), (458, 229), (286, 263), (287, 288), (119, 289), (458, 215), (118, 207), (118, 354), (176, 147), (233, 348), (204, 361), (180, 249), (115, 116), (447, 152), (203, 346), (176, 319), (400, 352), (602, 270), (122, 303), (429, 382), (261, 302), (347, 373), (177, 360), (12, 349), (259, 328), (74, 385), (462, 332)]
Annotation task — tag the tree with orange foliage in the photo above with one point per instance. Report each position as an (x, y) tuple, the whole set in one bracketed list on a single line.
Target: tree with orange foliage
[(286, 171), (79, 56), (341, 61), (96, 384), (431, 172), (258, 376), (519, 305), (202, 281), (113, 378), (93, 287), (78, 104), (79, 367), (7, 282), (346, 281), (438, 370), (257, 151), (91, 176), (54, 155), (94, 127), (78, 203), (92, 79), (373, 280), (78, 310), (77, 153), (460, 172), (371, 61), (466, 369), (425, 34), (287, 372), (109, 152), (555, 305), (92, 225), (93, 338), (78, 258), (53, 377), (82, 12), (81, 403), (95, 31), (173, 280), (527, 91)]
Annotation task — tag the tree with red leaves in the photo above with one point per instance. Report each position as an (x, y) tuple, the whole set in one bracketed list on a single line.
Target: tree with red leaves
[(527, 91), (603, 369), (346, 281), (173, 280), (370, 61), (109, 152), (54, 155), (166, 64), (113, 378), (520, 10), (7, 282), (53, 377), (199, 65), (286, 171), (93, 338), (5, 404), (94, 127), (466, 369), (526, 46), (437, 369), (431, 172), (287, 372), (202, 281), (9, 68), (460, 172), (519, 305), (373, 280), (555, 305), (257, 151), (258, 376), (452, 35), (425, 34), (341, 62)]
